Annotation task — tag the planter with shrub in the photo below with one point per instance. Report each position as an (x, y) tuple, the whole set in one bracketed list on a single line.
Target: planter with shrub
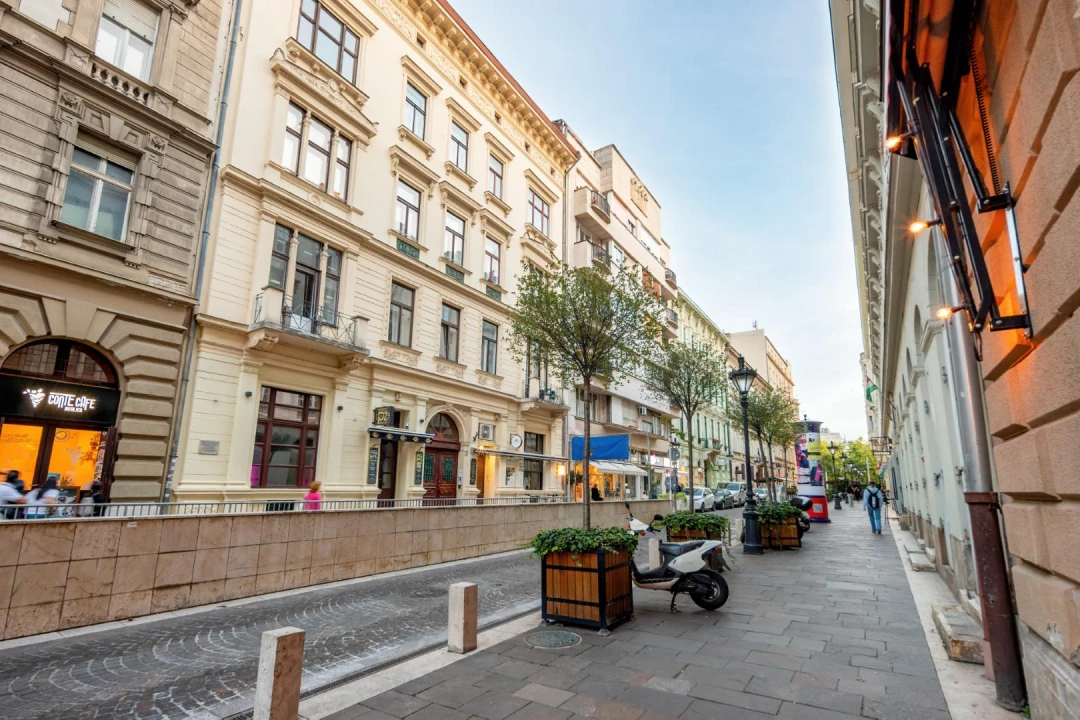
[(585, 575), (683, 526), (778, 527)]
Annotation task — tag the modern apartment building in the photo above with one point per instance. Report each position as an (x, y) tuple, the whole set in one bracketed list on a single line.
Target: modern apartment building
[(965, 119), (109, 112), (615, 222), (384, 178)]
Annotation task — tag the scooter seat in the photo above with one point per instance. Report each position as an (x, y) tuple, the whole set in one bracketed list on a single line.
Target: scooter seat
[(676, 549)]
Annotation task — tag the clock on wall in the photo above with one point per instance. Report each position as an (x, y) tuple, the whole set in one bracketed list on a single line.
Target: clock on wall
[(515, 441)]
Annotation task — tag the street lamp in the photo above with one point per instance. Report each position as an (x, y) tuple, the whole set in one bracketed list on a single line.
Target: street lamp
[(836, 486), (833, 447), (743, 377)]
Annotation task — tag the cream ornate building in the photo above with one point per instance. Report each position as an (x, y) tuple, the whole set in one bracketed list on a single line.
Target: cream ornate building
[(613, 221), (109, 116), (383, 180), (761, 354)]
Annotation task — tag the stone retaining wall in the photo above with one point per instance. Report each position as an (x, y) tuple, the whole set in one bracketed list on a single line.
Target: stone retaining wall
[(61, 574)]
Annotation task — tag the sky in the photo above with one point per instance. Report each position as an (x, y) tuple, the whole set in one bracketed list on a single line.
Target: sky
[(727, 111)]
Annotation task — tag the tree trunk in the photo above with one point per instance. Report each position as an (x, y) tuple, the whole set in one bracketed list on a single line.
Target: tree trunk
[(690, 464), (772, 472), (586, 451)]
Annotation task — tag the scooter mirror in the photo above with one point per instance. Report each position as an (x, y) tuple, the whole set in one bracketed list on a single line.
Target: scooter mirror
[(627, 505), (658, 517)]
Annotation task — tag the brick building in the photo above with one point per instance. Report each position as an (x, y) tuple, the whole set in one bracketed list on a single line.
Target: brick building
[(107, 112), (1006, 70)]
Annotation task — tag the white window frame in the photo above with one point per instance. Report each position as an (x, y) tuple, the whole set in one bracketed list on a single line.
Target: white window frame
[(123, 45), (100, 178)]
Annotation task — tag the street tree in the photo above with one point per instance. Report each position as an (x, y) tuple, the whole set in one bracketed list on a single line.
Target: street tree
[(690, 377), (770, 415), (587, 324)]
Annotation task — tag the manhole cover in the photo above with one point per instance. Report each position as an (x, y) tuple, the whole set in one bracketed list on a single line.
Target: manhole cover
[(552, 639)]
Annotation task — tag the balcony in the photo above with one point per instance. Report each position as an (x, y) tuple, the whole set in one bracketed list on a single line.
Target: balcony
[(669, 275), (599, 255), (538, 397), (280, 319), (592, 211), (672, 317)]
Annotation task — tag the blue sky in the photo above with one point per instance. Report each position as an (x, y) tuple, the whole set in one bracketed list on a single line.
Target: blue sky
[(727, 110)]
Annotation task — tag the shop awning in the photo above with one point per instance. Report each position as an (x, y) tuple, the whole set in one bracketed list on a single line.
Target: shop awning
[(616, 468), (519, 455), (388, 433)]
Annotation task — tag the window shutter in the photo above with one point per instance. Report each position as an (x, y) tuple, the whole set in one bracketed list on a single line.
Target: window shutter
[(106, 150), (135, 16)]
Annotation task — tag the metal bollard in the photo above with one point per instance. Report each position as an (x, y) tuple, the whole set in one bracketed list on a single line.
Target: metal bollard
[(281, 661), (461, 636), (654, 553)]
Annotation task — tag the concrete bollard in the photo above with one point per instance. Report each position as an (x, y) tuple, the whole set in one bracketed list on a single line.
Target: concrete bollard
[(462, 625), (281, 660), (654, 553)]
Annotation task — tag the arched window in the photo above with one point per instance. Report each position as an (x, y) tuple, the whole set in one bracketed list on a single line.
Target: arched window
[(907, 354), (443, 428), (917, 319), (61, 360)]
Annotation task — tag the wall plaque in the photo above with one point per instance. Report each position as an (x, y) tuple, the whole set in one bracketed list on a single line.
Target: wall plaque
[(373, 463), (209, 447)]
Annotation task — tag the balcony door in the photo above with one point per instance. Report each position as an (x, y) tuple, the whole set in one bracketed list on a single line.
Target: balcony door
[(305, 290)]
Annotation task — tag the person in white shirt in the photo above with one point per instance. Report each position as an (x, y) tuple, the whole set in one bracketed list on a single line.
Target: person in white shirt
[(11, 494), (39, 501)]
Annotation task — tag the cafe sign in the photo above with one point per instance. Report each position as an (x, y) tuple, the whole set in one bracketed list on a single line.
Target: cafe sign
[(48, 400)]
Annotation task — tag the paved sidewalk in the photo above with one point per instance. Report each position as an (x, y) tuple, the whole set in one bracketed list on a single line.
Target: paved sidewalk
[(827, 632)]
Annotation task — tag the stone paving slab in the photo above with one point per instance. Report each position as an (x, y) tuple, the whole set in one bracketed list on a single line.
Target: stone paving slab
[(829, 632)]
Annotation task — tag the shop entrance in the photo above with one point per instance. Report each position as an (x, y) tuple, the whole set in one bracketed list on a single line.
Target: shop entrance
[(441, 458), (387, 472), (58, 407)]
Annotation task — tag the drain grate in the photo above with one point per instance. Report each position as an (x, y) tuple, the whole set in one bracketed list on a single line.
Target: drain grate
[(552, 639)]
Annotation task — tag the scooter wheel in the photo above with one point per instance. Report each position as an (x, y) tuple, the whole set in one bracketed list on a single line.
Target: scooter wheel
[(717, 593)]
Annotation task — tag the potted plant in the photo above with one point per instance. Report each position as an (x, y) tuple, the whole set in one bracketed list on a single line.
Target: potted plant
[(585, 575), (778, 527), (683, 526)]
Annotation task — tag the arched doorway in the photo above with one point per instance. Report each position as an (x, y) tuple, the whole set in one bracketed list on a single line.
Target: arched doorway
[(441, 458), (58, 407)]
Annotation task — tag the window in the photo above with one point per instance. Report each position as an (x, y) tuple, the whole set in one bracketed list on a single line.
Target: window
[(534, 443), (408, 210), (286, 439), (631, 227), (617, 256), (533, 474), (98, 194), (539, 212), (312, 148), (489, 348), (415, 110), (126, 35), (495, 176), (454, 246), (302, 299), (600, 406), (60, 360), (329, 38), (401, 314), (448, 333), (279, 259), (332, 288), (459, 146), (492, 254)]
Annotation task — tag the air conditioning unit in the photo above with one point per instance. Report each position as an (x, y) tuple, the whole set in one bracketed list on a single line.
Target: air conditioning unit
[(642, 410), (487, 432)]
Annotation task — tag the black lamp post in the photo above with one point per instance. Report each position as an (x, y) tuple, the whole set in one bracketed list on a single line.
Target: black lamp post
[(836, 487), (832, 448), (743, 377)]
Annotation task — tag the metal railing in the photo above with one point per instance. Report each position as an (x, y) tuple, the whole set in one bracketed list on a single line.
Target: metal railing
[(599, 202), (534, 391), (672, 316), (599, 253), (669, 275), (307, 319)]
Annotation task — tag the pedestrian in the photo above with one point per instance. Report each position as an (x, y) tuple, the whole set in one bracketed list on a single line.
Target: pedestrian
[(850, 494), (97, 498), (11, 494), (39, 501), (872, 501), (594, 494), (313, 499)]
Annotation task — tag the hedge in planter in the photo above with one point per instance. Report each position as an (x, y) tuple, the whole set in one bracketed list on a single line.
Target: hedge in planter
[(683, 526), (585, 575), (778, 527)]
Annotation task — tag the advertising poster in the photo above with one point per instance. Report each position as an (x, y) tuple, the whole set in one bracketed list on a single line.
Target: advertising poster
[(811, 473)]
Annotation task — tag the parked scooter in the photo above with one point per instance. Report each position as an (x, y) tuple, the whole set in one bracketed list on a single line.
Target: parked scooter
[(691, 567)]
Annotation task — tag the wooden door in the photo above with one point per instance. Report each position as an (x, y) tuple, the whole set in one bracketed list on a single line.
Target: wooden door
[(481, 470), (440, 473), (387, 471)]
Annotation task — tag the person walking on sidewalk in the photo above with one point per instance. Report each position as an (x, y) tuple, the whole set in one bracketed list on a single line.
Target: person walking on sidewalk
[(872, 501)]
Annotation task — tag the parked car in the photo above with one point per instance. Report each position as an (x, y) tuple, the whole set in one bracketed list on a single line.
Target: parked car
[(738, 493), (762, 494), (723, 498), (703, 498)]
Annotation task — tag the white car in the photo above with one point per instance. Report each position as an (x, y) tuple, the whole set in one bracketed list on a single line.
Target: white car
[(703, 498), (738, 491)]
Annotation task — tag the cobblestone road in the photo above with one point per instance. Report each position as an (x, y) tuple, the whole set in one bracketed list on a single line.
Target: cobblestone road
[(196, 665)]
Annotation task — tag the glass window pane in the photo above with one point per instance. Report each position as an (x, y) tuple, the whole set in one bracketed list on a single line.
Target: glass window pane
[(290, 153), (137, 57), (305, 32), (314, 402), (319, 135), (281, 239), (453, 222), (315, 166), (290, 398), (450, 315), (326, 49), (491, 330), (458, 133), (344, 149), (295, 118), (350, 41), (330, 24), (307, 252), (309, 458), (112, 212), (85, 159), (118, 172), (330, 295), (333, 261), (494, 164), (341, 179), (281, 435), (409, 194), (288, 414), (394, 335), (313, 417), (109, 39), (265, 396), (77, 198), (452, 344), (492, 247), (308, 8), (402, 295), (277, 272), (280, 476), (348, 66), (416, 96), (406, 327)]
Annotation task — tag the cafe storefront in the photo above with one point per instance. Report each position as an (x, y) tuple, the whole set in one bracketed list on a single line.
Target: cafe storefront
[(58, 410)]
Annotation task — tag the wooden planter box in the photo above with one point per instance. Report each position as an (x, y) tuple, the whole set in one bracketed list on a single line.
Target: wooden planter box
[(590, 589), (686, 535), (778, 537)]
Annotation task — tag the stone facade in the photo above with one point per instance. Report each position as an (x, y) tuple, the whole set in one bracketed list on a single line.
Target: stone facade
[(126, 292)]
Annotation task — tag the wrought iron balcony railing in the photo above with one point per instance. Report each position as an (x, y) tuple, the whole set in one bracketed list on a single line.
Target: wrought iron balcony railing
[(599, 253), (669, 275), (672, 316), (533, 390), (599, 202), (305, 318)]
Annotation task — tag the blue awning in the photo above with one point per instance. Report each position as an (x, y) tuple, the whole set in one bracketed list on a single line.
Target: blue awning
[(601, 447)]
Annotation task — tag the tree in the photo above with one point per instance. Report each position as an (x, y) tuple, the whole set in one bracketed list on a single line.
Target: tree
[(770, 415), (690, 377), (586, 324)]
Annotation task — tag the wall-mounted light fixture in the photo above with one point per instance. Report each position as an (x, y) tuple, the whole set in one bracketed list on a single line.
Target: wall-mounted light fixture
[(944, 313), (893, 142), (918, 226), (248, 394)]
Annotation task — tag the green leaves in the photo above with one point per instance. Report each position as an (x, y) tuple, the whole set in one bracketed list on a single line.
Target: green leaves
[(684, 520), (577, 540), (774, 513)]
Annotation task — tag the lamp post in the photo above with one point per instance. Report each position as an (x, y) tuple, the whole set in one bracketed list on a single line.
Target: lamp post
[(836, 486), (832, 448), (743, 377), (673, 487)]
